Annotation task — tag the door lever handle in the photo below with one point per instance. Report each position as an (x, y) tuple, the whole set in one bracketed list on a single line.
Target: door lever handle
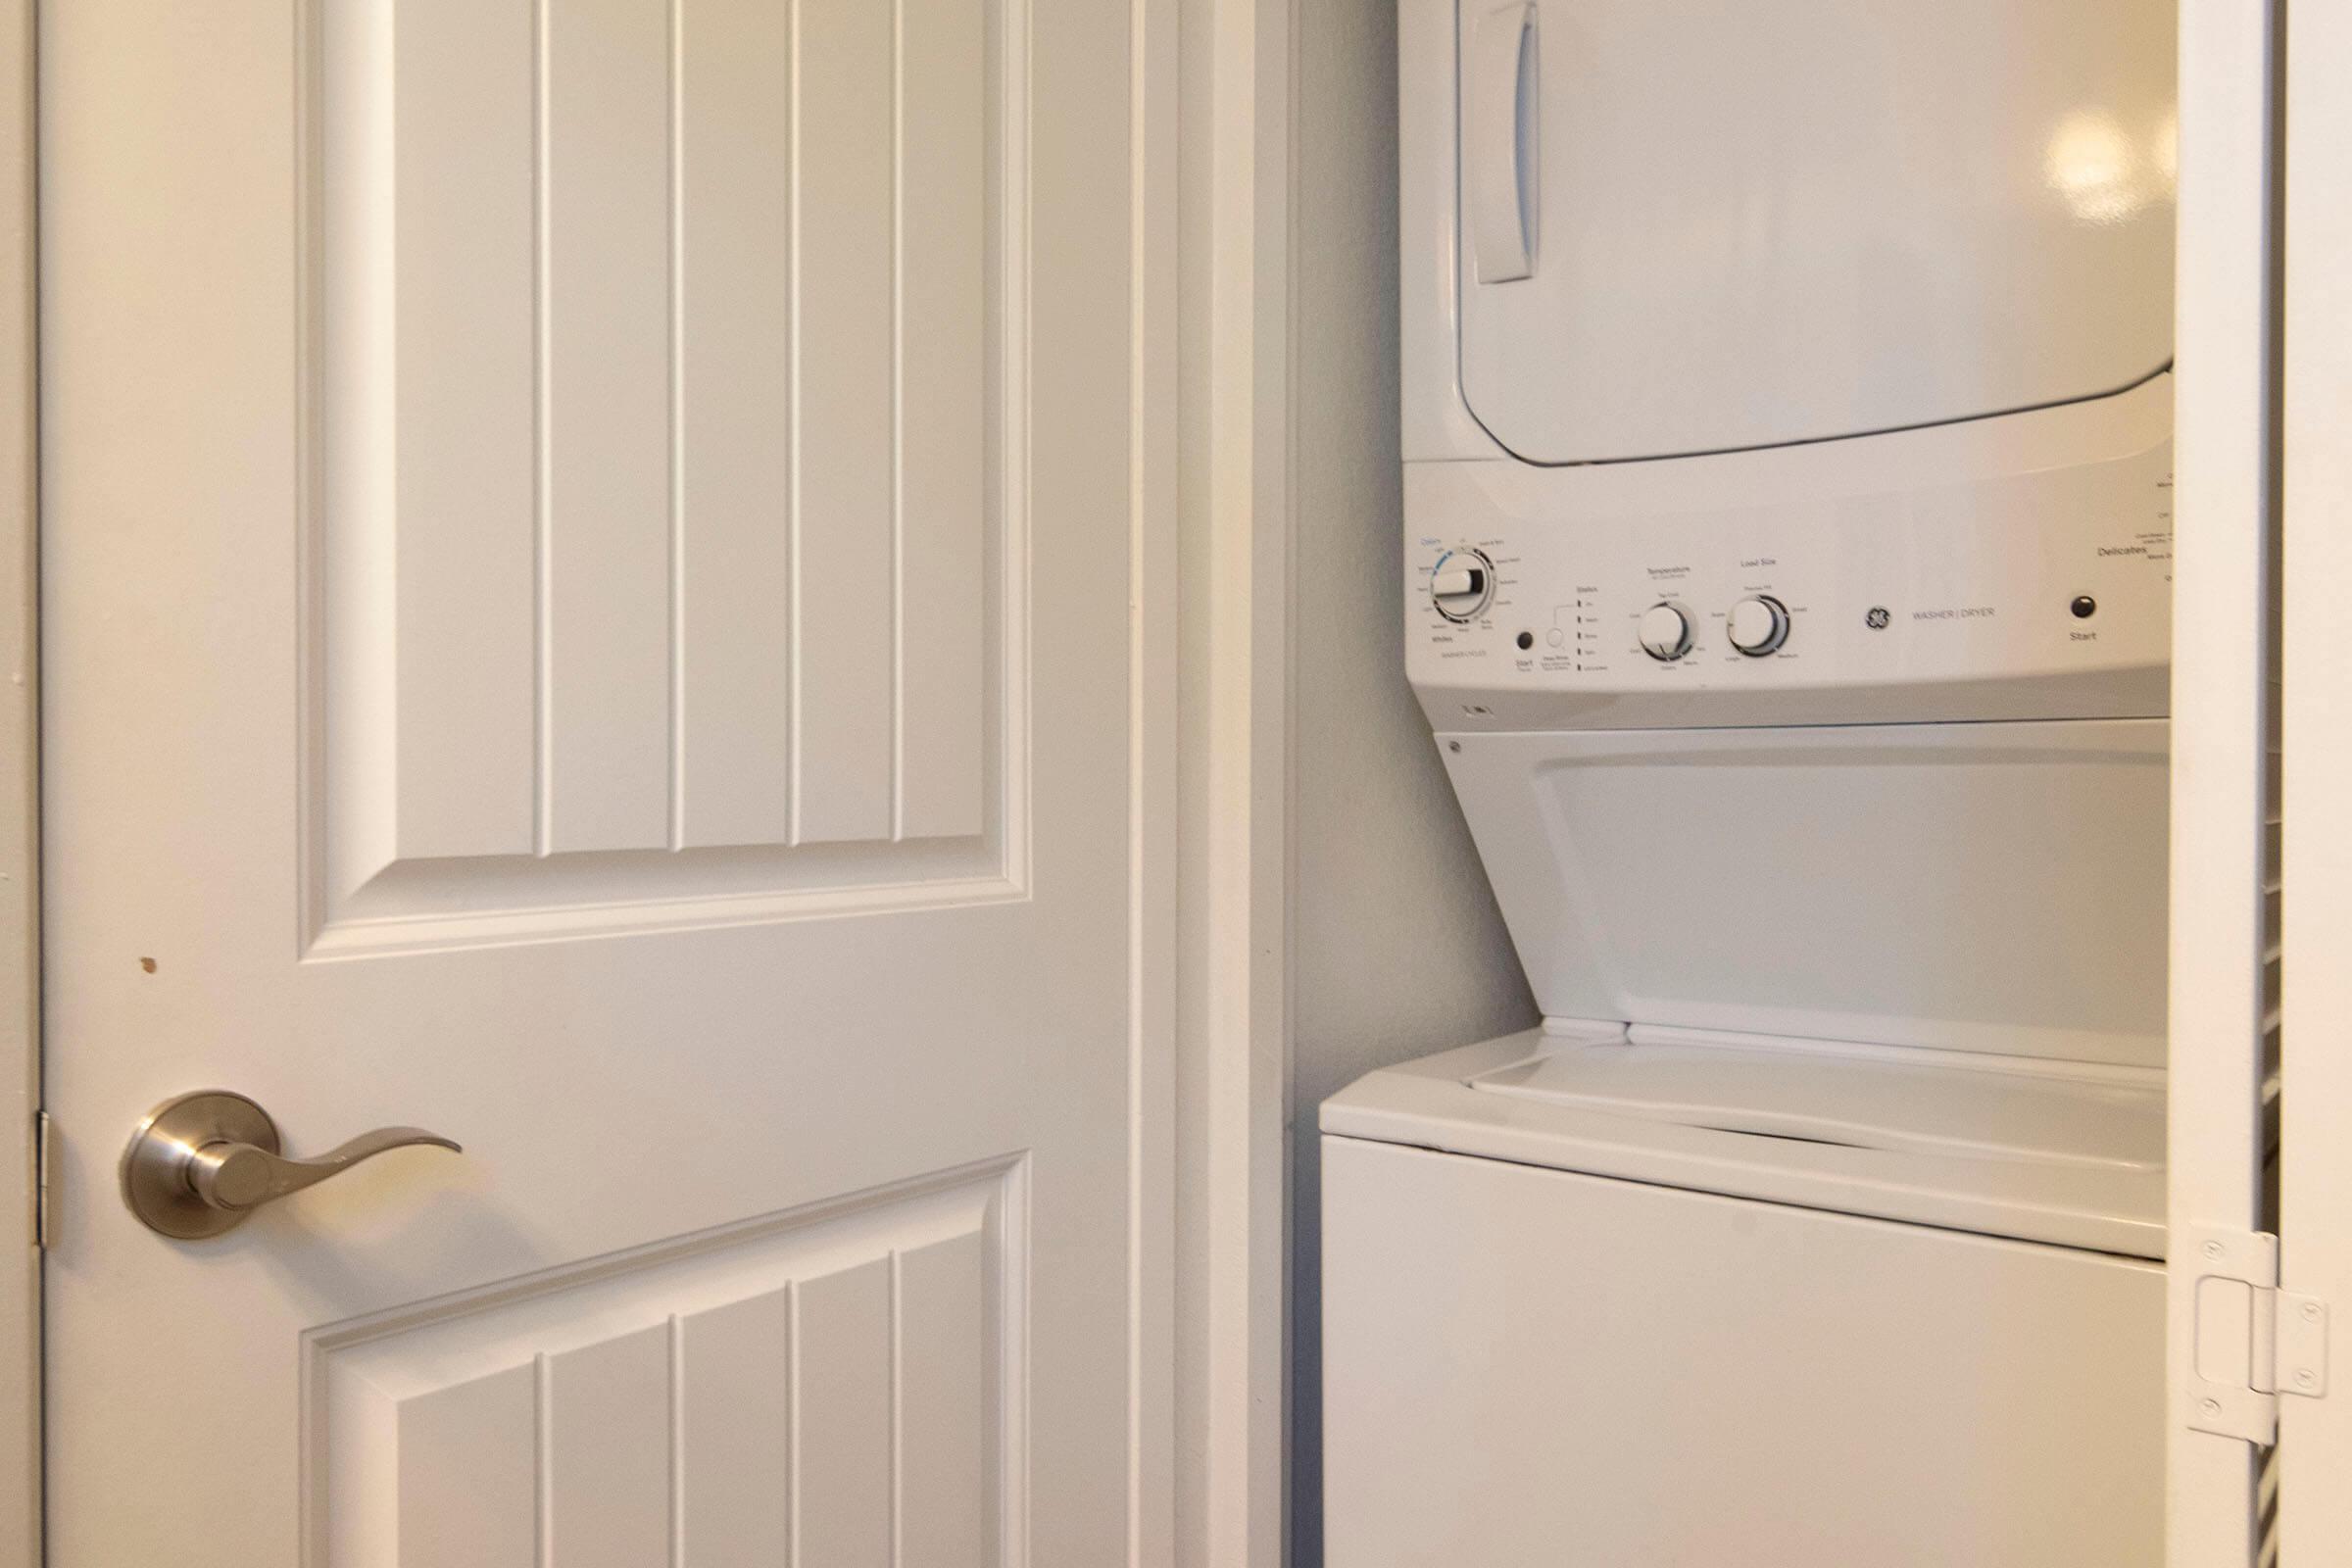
[(202, 1162)]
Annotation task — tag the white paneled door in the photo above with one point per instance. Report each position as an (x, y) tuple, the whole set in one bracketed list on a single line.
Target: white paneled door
[(587, 610)]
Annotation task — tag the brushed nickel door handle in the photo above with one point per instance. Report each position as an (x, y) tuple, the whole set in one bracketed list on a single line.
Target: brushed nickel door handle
[(200, 1162)]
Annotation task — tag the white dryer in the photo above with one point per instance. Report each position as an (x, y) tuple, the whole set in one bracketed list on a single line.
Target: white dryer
[(1787, 424)]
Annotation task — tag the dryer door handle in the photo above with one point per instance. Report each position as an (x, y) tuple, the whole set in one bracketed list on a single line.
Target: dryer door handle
[(1499, 77)]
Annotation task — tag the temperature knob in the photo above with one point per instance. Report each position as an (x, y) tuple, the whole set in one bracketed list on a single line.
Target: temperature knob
[(1759, 625), (1462, 584), (1666, 631)]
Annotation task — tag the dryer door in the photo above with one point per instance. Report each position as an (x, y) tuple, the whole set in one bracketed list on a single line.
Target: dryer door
[(1688, 226)]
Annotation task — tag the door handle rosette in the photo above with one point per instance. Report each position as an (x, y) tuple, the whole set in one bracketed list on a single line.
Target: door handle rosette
[(200, 1162)]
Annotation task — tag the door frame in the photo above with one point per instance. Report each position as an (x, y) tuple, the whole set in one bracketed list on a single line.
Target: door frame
[(20, 811), (1237, 283), (2225, 596)]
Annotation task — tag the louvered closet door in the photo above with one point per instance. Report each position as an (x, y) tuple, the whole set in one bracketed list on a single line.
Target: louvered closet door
[(587, 602)]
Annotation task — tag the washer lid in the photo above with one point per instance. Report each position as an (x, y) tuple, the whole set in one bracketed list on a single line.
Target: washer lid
[(1890, 1099), (1691, 227), (2037, 1151)]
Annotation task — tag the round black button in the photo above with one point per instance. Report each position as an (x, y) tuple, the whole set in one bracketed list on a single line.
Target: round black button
[(2085, 607), (1527, 639)]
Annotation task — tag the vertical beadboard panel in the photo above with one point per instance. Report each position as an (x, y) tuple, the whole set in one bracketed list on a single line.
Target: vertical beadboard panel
[(606, 241), (659, 456), (820, 1389), (943, 388), (467, 1486), (462, 442), (842, 1444), (843, 457), (734, 1433), (734, 256), (605, 1452), (942, 1404)]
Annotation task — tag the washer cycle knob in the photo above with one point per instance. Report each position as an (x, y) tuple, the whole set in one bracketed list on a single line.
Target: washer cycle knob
[(1759, 625), (1666, 631), (1462, 584)]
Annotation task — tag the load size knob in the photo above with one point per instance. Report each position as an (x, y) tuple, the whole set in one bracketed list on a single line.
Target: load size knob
[(1666, 631), (1759, 625), (1462, 584)]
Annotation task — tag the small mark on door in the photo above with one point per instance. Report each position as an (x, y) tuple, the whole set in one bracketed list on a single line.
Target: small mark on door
[(147, 964)]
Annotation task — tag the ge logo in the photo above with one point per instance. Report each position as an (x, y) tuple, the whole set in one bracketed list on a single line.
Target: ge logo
[(1876, 618)]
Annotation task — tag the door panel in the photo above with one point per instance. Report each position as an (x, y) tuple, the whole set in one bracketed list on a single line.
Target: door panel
[(840, 1369), (543, 509), (590, 378)]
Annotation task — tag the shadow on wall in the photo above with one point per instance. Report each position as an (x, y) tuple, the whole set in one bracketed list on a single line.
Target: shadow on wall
[(1397, 948)]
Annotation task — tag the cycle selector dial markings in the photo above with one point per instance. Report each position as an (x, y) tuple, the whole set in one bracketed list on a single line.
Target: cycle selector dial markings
[(1462, 584), (1757, 625), (1665, 631)]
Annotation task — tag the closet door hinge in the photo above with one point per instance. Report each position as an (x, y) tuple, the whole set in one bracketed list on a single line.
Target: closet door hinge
[(41, 1180), (2254, 1344)]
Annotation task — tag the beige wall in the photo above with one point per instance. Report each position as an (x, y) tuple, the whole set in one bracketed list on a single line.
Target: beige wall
[(1397, 949)]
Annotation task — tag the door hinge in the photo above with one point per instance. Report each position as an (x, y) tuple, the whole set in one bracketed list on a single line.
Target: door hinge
[(41, 1167), (2252, 1343)]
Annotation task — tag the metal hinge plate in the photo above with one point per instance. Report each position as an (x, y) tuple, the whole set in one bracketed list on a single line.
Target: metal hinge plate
[(2253, 1343), (41, 1166)]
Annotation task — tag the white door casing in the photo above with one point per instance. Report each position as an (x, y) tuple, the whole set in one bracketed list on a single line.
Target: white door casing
[(587, 607), (2224, 903)]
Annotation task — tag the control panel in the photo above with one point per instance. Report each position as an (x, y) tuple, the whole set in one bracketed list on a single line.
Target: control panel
[(2016, 593)]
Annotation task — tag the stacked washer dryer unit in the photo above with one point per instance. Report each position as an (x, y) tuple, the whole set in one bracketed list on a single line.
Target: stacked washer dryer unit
[(1787, 529)]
